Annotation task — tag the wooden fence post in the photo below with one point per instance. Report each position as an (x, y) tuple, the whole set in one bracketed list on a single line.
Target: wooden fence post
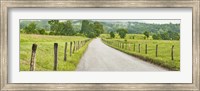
[(55, 56), (172, 52), (33, 55), (65, 52), (146, 49), (70, 48), (134, 47), (139, 48), (74, 46), (78, 45), (157, 50), (126, 46)]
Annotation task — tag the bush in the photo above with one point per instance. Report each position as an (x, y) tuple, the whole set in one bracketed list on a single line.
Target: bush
[(112, 35), (41, 31), (51, 33)]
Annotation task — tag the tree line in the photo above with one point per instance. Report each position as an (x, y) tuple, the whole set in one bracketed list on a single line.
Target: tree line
[(88, 29), (92, 29)]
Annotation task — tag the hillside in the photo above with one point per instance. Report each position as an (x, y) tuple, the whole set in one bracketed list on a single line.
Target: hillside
[(133, 27)]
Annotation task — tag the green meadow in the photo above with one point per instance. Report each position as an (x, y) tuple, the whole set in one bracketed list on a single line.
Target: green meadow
[(45, 52), (163, 58)]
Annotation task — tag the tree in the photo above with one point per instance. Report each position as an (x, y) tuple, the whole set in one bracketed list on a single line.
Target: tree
[(146, 33), (54, 26), (112, 35), (98, 28), (165, 36), (41, 31), (85, 27), (31, 28), (66, 28), (156, 37), (90, 29), (122, 32)]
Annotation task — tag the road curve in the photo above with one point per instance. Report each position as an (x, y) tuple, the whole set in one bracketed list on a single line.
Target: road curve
[(100, 57)]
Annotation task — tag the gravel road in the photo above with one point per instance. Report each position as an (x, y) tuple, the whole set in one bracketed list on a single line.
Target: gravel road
[(100, 57)]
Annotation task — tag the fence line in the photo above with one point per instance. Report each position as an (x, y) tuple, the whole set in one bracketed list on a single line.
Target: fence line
[(73, 47), (126, 46)]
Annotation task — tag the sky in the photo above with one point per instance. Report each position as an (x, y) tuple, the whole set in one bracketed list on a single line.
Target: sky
[(152, 21), (146, 21)]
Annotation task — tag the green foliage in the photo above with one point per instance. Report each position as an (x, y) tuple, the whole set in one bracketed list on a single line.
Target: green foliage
[(168, 35), (31, 28), (91, 30), (156, 37), (122, 32), (112, 34), (41, 31), (140, 28), (146, 33)]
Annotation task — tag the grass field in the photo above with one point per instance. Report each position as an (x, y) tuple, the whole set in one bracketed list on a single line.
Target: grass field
[(164, 51), (45, 52)]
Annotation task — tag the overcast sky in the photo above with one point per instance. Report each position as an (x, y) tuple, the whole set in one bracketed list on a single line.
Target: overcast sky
[(146, 21), (143, 21)]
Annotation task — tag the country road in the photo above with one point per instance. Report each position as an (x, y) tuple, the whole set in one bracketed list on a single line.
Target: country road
[(100, 57)]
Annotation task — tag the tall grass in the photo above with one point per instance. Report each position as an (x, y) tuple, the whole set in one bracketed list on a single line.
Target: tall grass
[(45, 52)]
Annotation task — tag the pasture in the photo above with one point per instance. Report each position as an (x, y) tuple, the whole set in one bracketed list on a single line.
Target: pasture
[(45, 52), (137, 47)]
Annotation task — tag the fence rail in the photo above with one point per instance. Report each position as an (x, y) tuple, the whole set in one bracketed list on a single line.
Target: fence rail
[(72, 49)]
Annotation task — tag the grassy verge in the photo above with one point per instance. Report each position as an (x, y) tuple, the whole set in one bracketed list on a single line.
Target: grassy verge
[(164, 51), (45, 52)]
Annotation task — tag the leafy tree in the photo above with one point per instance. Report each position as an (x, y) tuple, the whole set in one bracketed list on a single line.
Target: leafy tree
[(156, 37), (54, 26), (85, 27), (41, 31), (90, 29), (165, 36), (122, 32), (112, 35), (146, 33), (98, 28), (31, 28)]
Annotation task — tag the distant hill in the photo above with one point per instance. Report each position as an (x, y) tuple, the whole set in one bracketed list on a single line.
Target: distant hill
[(133, 27)]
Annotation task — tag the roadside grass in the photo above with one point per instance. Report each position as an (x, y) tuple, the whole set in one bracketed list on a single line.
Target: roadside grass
[(164, 51), (45, 52)]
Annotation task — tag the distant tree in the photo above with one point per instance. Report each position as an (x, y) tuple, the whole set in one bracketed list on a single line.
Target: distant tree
[(122, 32), (112, 34), (156, 37), (173, 35), (31, 28), (41, 31), (165, 36), (90, 29), (54, 26), (85, 27), (98, 28), (146, 33), (66, 28)]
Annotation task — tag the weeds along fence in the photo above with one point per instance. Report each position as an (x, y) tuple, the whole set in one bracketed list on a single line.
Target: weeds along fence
[(140, 47), (73, 47)]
